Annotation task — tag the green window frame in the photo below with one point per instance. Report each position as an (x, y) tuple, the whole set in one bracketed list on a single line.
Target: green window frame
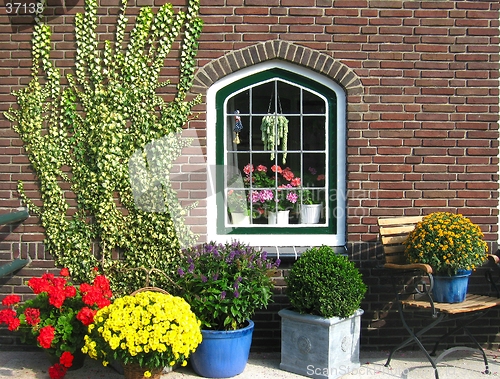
[(280, 86)]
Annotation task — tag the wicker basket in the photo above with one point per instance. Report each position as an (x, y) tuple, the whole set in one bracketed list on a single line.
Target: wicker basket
[(134, 371), (152, 289)]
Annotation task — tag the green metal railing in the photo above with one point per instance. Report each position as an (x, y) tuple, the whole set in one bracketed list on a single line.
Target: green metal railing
[(17, 263)]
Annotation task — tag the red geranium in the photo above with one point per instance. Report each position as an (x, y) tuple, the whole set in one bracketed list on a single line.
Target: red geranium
[(57, 371), (66, 359), (57, 318), (32, 316), (47, 334), (11, 300), (86, 316)]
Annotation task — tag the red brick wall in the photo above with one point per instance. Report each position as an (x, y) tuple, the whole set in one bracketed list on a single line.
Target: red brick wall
[(422, 127)]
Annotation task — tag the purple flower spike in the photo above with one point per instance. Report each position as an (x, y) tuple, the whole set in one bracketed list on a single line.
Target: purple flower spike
[(223, 295), (180, 271), (236, 294)]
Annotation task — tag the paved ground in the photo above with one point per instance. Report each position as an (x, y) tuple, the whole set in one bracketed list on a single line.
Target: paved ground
[(407, 365)]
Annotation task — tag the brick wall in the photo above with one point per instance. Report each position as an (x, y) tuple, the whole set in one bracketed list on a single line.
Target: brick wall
[(421, 79)]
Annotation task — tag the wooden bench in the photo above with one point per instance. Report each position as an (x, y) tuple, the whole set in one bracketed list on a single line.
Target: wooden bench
[(412, 284)]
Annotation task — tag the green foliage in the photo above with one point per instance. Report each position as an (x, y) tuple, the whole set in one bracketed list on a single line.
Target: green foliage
[(324, 283), (81, 136), (274, 130), (225, 284)]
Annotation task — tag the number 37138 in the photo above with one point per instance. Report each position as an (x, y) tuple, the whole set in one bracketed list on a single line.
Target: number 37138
[(24, 8)]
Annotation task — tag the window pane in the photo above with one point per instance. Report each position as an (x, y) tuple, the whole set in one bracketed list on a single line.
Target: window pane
[(313, 103), (241, 101), (314, 130), (263, 98), (288, 98)]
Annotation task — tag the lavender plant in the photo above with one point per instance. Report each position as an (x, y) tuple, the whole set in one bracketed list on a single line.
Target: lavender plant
[(225, 283)]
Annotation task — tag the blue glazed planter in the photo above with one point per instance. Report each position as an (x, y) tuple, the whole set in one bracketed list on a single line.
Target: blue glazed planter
[(222, 354), (451, 289)]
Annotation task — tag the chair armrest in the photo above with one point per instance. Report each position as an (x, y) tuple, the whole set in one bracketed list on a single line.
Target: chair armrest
[(494, 259), (414, 266)]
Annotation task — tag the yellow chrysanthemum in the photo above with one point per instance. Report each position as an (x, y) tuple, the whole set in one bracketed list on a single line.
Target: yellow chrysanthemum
[(447, 242), (138, 326)]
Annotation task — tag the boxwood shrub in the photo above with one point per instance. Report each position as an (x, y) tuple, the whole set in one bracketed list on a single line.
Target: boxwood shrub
[(324, 283)]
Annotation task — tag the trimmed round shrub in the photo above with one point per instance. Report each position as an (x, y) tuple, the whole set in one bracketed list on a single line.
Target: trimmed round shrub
[(324, 283)]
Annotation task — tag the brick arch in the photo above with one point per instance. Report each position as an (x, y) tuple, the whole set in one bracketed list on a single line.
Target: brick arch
[(277, 49)]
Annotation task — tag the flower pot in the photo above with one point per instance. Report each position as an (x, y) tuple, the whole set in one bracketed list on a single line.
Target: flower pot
[(318, 347), (78, 359), (310, 213), (135, 371), (451, 289), (223, 354), (240, 218), (280, 218)]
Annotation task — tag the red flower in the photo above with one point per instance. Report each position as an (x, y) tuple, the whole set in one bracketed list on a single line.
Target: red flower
[(70, 291), (295, 182), (320, 177), (57, 371), (248, 169), (97, 294), (277, 169), (46, 336), (10, 300), (56, 297), (261, 168), (66, 359), (64, 272), (6, 316), (288, 174), (39, 285), (32, 316), (14, 324), (86, 316)]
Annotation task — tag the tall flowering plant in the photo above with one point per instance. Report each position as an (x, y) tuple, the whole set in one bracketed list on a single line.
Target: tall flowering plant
[(447, 242), (57, 318), (225, 283), (278, 187)]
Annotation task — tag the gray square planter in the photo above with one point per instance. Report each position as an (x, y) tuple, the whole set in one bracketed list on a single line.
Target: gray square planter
[(319, 347)]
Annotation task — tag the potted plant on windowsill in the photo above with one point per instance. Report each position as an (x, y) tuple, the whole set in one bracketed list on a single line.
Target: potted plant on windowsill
[(310, 209), (225, 284), (273, 192), (453, 246), (238, 207), (322, 329)]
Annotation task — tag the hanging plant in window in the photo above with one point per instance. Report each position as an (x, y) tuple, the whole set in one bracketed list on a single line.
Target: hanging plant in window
[(274, 128)]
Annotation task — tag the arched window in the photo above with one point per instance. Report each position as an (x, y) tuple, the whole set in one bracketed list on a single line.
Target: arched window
[(276, 143)]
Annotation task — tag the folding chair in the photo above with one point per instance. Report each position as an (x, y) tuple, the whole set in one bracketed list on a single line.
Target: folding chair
[(412, 284)]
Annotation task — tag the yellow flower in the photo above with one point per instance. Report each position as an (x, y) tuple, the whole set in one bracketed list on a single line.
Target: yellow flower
[(143, 326), (147, 374)]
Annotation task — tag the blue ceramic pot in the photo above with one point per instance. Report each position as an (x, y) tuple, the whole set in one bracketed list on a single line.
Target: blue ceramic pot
[(451, 289), (222, 354)]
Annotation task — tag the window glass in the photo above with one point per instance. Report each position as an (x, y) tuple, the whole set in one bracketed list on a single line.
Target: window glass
[(276, 137)]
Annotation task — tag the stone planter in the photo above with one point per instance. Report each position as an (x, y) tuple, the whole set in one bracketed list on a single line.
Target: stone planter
[(319, 347)]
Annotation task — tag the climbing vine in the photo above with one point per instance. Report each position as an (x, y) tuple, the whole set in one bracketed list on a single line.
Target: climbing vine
[(102, 144)]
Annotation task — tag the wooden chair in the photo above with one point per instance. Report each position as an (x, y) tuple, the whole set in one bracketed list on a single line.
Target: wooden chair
[(412, 285)]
